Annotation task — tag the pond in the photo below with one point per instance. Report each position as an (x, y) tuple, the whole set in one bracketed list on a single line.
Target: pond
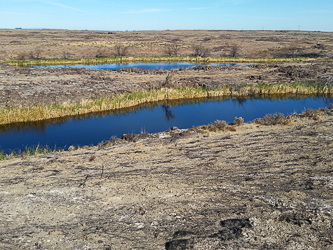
[(141, 65), (156, 117)]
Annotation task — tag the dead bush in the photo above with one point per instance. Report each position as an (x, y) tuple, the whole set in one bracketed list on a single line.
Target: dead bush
[(200, 50), (238, 121), (21, 56), (168, 81), (234, 50), (173, 48), (217, 126), (274, 119), (101, 53), (311, 114), (66, 55), (121, 50)]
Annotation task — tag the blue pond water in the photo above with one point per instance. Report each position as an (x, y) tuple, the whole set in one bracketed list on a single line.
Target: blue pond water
[(93, 129), (139, 65)]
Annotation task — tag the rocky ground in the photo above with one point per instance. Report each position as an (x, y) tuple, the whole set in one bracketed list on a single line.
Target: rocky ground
[(32, 86), (255, 187)]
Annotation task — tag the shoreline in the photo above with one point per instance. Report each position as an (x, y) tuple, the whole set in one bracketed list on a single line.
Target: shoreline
[(129, 59), (42, 112), (217, 126)]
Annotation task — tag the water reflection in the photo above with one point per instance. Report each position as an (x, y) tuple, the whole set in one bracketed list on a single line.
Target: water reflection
[(141, 65), (168, 113), (239, 101)]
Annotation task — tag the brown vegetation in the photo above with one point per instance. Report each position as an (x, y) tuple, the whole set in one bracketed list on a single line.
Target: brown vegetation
[(84, 44)]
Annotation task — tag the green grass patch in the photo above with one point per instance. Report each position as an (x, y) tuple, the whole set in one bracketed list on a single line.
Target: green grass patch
[(2, 155), (29, 151)]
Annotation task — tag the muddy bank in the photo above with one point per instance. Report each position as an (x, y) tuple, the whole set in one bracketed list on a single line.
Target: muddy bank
[(259, 187), (32, 86)]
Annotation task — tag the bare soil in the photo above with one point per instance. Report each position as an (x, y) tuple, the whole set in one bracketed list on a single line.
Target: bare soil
[(259, 187), (32, 86)]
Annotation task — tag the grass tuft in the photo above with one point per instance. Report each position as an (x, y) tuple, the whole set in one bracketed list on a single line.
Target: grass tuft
[(28, 151), (217, 126)]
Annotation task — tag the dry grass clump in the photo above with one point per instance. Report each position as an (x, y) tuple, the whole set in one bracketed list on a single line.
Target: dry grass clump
[(274, 119), (238, 121), (280, 119), (311, 114), (217, 126)]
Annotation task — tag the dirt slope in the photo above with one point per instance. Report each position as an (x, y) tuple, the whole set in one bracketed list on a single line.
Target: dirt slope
[(260, 187)]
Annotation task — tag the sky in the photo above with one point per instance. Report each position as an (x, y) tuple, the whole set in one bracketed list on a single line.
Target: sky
[(112, 15)]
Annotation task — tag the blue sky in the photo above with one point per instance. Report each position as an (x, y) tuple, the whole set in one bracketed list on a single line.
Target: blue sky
[(172, 14)]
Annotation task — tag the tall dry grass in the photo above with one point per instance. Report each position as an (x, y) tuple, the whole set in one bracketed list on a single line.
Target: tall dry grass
[(43, 112)]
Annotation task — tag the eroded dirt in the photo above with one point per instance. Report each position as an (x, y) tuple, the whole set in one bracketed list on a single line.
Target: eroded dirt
[(32, 86), (260, 187)]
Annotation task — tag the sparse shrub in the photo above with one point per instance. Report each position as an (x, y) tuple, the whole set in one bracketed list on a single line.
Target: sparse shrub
[(220, 125), (200, 50), (21, 56), (121, 50), (173, 48), (167, 82), (311, 114), (214, 127), (234, 50), (66, 54), (168, 50), (274, 119), (36, 54), (101, 52), (238, 121)]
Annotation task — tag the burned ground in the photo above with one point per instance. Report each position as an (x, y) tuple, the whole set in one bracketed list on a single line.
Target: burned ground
[(32, 86), (259, 187)]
